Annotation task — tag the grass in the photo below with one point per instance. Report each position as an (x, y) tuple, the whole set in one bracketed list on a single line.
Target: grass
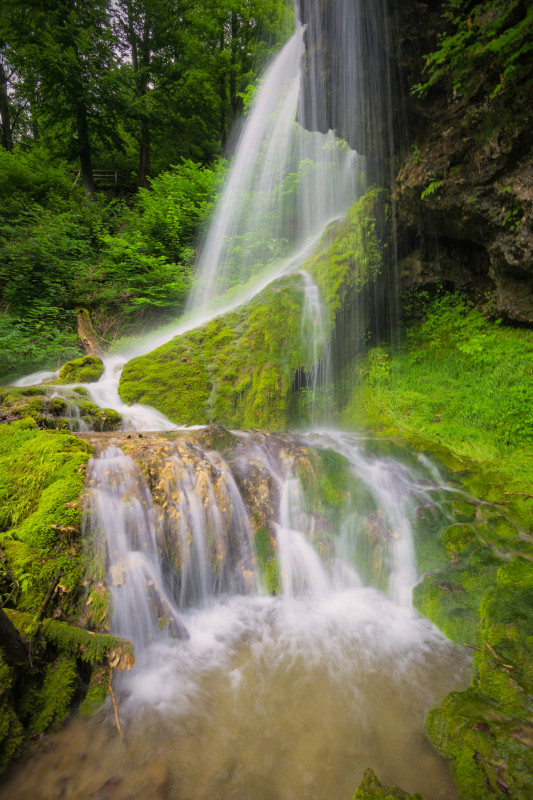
[(460, 381)]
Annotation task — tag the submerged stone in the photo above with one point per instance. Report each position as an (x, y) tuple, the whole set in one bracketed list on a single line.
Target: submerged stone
[(371, 789)]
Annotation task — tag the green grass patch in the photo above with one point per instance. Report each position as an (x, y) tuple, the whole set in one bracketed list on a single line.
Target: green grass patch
[(459, 381)]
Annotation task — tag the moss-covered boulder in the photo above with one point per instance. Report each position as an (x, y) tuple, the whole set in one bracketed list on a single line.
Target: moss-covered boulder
[(11, 729), (41, 478), (486, 730), (371, 789), (71, 411), (88, 369), (238, 369)]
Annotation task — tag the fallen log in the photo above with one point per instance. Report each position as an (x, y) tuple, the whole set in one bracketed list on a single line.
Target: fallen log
[(94, 648)]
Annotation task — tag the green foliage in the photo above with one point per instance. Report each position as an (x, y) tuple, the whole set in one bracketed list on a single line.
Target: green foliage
[(148, 263), (486, 47), (431, 189), (29, 178), (179, 200), (36, 341), (123, 263)]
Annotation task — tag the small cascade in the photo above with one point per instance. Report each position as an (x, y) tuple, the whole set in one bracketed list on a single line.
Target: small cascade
[(120, 523), (396, 492), (179, 543), (316, 344), (206, 530)]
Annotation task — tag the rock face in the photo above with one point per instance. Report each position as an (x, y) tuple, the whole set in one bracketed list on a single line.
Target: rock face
[(463, 169), (466, 194)]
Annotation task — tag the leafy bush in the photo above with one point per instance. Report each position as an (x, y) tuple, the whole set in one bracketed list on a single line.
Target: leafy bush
[(41, 340), (487, 46), (57, 251), (28, 178)]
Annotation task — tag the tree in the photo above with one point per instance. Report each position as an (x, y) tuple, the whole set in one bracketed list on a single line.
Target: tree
[(64, 54)]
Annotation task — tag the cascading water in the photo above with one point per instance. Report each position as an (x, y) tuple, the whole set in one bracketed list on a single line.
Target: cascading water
[(277, 654), (236, 692), (284, 185)]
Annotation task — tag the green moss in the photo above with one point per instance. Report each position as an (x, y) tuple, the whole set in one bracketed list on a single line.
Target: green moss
[(265, 550), (371, 789), (11, 729), (82, 392), (350, 254), (94, 648), (54, 699), (55, 413), (97, 691), (490, 752), (88, 369), (237, 370), (41, 478)]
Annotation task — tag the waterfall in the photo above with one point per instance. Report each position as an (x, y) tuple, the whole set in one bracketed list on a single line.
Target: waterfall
[(285, 184), (266, 581)]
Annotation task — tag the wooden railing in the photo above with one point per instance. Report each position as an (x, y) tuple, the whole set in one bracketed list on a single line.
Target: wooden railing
[(105, 177)]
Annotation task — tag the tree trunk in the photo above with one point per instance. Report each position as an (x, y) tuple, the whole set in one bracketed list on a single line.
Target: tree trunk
[(86, 333), (143, 89), (222, 95), (84, 150), (233, 100), (6, 134)]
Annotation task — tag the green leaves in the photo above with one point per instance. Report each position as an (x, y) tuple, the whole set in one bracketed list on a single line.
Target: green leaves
[(486, 48)]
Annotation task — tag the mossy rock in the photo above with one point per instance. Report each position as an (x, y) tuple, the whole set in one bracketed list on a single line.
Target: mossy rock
[(371, 789), (11, 729), (88, 369), (41, 479), (56, 413), (237, 370), (490, 752), (350, 254)]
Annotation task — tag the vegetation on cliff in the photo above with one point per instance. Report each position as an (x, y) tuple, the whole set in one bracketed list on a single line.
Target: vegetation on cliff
[(485, 48)]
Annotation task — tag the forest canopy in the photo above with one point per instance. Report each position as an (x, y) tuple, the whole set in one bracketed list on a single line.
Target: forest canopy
[(134, 98)]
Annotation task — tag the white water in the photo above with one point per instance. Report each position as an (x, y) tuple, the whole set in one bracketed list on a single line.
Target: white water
[(284, 186)]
